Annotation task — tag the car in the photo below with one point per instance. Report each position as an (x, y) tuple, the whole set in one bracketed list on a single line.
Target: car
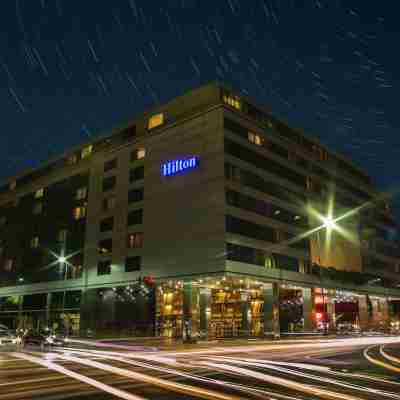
[(42, 339), (7, 338)]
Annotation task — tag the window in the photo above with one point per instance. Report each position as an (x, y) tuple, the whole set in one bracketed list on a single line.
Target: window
[(107, 224), (233, 101), (86, 151), (133, 264), (108, 203), (38, 208), (109, 183), (135, 217), (105, 246), (135, 195), (155, 120), (110, 164), (72, 159), (246, 228), (138, 154), (39, 193), (8, 265), (136, 174), (62, 235), (81, 193), (79, 212), (254, 138), (13, 185), (35, 242), (135, 240), (104, 267)]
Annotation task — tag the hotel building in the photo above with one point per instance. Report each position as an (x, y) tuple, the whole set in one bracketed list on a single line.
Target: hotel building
[(247, 226)]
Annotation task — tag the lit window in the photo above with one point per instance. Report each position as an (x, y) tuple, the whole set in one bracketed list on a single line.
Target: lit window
[(79, 212), (86, 151), (13, 185), (233, 101), (62, 235), (155, 120), (138, 154), (8, 265), (254, 138), (135, 240), (72, 159), (35, 242), (39, 193), (38, 208), (81, 193), (109, 203)]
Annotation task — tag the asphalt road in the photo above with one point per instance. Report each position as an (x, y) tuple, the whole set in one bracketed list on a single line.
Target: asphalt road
[(346, 369)]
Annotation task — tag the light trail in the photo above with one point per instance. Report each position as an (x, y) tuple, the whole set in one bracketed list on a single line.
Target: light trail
[(82, 378), (324, 393), (242, 388), (165, 384), (287, 371), (378, 362), (388, 356)]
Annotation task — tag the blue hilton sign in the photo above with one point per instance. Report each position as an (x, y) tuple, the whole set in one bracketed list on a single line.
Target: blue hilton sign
[(176, 166)]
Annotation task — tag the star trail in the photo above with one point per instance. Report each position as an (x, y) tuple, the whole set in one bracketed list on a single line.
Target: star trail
[(71, 70)]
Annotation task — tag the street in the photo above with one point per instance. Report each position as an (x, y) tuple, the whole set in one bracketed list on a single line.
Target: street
[(349, 369)]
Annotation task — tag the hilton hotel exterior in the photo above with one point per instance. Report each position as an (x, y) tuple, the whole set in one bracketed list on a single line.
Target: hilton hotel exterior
[(212, 196)]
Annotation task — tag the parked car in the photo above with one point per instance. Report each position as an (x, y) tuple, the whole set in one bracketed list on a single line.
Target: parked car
[(7, 338), (42, 339)]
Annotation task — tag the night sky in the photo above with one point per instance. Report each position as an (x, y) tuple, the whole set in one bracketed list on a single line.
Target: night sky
[(70, 69)]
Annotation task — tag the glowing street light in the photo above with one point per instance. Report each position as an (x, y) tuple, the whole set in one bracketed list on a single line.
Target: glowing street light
[(329, 222), (62, 259)]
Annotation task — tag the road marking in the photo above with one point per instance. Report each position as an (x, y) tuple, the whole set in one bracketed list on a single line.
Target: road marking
[(163, 383), (378, 362), (82, 378)]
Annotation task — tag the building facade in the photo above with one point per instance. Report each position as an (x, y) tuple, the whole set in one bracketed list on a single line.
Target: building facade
[(246, 226)]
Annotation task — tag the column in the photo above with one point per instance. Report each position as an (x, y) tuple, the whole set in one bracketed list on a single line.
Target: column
[(363, 316), (244, 307), (308, 310), (271, 311), (190, 311), (205, 311), (330, 308), (385, 313), (20, 322), (48, 310)]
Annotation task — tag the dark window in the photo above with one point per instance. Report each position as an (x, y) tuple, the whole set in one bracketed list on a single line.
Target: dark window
[(104, 267), (245, 254), (110, 164), (107, 224), (109, 183), (136, 174), (135, 217), (105, 246), (246, 228), (236, 128), (286, 262), (73, 299), (135, 195), (264, 163), (135, 240), (133, 264)]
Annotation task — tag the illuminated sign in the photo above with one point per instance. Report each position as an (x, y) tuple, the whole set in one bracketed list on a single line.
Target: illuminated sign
[(176, 166)]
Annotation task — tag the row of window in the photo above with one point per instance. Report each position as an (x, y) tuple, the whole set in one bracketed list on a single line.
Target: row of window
[(247, 178), (265, 233), (264, 163), (135, 174), (260, 207), (132, 264), (134, 241), (250, 255), (284, 131)]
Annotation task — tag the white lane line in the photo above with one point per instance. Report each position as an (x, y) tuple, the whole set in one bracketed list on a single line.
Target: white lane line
[(163, 383), (82, 378)]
